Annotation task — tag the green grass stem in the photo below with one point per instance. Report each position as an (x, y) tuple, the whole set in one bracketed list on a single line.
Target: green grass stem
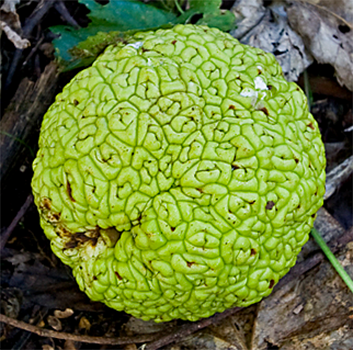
[(178, 6), (330, 256)]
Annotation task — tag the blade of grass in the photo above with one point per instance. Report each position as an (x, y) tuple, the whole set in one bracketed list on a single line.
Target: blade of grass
[(20, 141), (331, 257), (307, 89), (177, 5)]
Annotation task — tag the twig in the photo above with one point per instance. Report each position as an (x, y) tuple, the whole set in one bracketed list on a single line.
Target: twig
[(33, 51), (20, 343), (79, 338), (41, 9), (35, 17), (189, 328), (5, 236), (61, 8)]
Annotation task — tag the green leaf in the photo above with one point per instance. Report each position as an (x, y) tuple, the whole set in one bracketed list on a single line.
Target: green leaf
[(212, 15), (223, 20), (119, 19), (116, 16), (205, 6), (125, 15)]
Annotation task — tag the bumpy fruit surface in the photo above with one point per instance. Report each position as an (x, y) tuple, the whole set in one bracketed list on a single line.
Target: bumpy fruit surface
[(179, 175)]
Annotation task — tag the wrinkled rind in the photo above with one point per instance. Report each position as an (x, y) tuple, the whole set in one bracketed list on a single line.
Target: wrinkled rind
[(179, 175)]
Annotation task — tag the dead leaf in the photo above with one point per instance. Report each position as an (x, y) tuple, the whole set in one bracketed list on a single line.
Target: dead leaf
[(137, 326), (206, 341), (248, 13), (14, 37), (130, 347), (296, 31), (228, 330), (54, 323), (84, 324), (341, 8), (268, 29), (70, 345), (327, 35), (10, 301), (47, 347), (11, 25), (63, 314), (9, 5)]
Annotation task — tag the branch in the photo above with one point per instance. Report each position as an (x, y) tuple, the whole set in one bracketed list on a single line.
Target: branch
[(79, 338), (188, 329), (5, 236)]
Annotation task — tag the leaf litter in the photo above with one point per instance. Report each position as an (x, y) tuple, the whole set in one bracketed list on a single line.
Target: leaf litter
[(43, 284), (297, 32), (11, 25)]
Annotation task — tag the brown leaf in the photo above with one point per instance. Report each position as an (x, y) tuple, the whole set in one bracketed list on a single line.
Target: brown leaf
[(47, 347), (11, 25), (84, 324), (9, 5), (268, 29), (326, 35), (54, 323), (70, 345), (63, 314)]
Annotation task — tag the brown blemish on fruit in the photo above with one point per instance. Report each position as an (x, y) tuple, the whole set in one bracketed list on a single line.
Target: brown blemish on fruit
[(69, 191), (174, 42), (311, 126), (190, 263), (270, 205), (53, 217), (118, 276), (79, 238), (265, 110), (62, 232), (252, 251), (272, 283), (56, 216), (232, 107), (75, 102), (45, 204)]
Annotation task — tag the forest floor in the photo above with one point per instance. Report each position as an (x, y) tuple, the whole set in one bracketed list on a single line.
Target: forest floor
[(311, 308)]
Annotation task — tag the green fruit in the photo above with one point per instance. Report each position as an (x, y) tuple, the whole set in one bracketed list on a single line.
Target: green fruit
[(179, 175)]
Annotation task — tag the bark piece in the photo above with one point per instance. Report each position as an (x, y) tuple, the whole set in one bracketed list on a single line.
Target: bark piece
[(22, 118), (314, 309)]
